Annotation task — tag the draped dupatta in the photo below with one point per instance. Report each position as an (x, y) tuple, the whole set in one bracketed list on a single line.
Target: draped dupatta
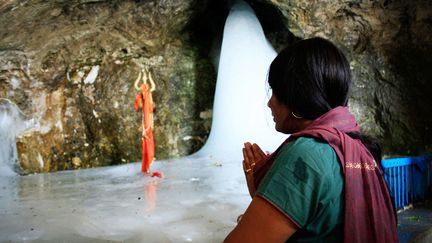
[(368, 214), (144, 101)]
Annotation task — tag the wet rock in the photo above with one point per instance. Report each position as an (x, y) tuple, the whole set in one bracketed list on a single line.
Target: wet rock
[(388, 43), (72, 65)]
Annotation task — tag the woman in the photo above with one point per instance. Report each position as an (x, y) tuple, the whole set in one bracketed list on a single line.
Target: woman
[(324, 183)]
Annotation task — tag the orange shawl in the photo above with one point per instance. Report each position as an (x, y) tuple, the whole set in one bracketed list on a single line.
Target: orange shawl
[(144, 101)]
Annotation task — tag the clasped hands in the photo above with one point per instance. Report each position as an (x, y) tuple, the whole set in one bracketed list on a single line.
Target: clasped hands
[(252, 154)]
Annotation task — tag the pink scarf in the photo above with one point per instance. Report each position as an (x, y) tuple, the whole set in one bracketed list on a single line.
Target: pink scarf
[(369, 215)]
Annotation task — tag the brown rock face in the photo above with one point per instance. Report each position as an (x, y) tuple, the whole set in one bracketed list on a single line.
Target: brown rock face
[(71, 65), (388, 43)]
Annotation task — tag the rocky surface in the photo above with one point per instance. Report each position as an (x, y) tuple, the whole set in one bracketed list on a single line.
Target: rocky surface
[(48, 49), (389, 44)]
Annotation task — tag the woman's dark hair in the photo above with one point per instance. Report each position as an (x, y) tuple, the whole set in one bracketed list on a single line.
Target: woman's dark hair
[(312, 77)]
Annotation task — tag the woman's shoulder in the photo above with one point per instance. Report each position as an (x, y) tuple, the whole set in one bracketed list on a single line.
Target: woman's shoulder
[(306, 145), (311, 151), (306, 174)]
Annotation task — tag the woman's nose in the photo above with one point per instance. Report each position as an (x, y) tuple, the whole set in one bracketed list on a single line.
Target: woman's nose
[(269, 103)]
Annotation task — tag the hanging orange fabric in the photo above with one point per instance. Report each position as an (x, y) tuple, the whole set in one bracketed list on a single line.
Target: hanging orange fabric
[(144, 101)]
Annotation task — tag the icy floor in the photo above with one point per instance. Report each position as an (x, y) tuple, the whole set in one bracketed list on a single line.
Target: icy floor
[(197, 200)]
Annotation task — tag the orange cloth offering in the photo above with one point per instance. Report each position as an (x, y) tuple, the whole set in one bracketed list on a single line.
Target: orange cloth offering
[(144, 102)]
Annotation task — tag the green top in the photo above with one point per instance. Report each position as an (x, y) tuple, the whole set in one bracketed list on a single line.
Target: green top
[(305, 183)]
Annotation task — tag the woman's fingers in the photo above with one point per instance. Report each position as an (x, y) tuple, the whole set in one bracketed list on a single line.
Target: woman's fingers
[(249, 152), (245, 160), (248, 166), (248, 157), (258, 153), (259, 150)]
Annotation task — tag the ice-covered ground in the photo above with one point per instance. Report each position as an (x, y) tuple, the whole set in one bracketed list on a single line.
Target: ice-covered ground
[(199, 197), (197, 200)]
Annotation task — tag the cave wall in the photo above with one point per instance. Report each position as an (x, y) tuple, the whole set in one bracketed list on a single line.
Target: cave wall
[(47, 49), (389, 44)]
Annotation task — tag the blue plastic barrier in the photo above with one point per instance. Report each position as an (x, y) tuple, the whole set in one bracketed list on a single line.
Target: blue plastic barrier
[(408, 179)]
